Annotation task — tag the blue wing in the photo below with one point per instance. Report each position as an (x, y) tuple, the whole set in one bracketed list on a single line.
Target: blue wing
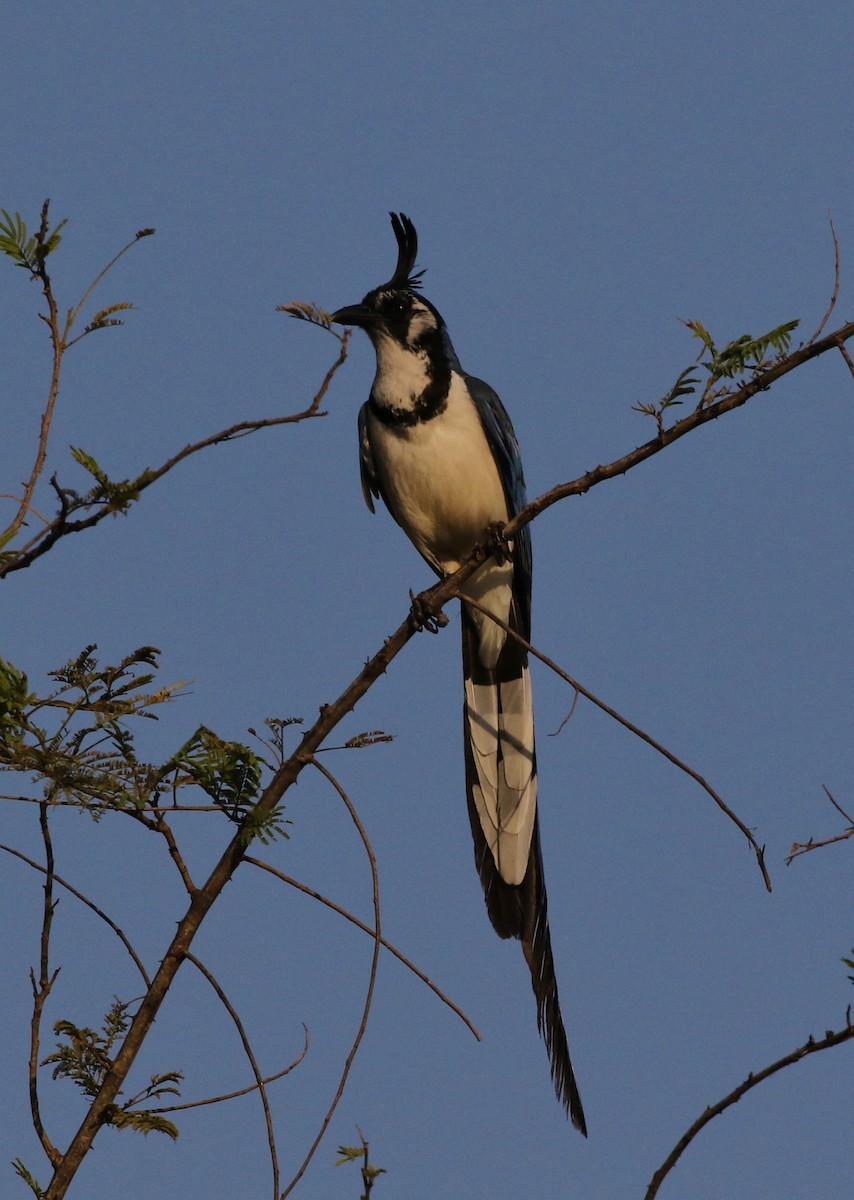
[(502, 440), (370, 483)]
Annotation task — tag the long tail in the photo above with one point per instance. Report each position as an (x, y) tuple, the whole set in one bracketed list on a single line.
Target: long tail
[(505, 815)]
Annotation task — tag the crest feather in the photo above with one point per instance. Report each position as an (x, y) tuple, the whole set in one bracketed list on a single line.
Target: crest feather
[(407, 250)]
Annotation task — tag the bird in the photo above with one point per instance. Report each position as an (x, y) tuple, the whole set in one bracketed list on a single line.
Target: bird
[(437, 446)]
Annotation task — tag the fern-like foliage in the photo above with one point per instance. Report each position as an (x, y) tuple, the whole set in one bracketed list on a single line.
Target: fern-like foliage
[(849, 962), (370, 1173), (746, 355), (84, 1056), (743, 354), (25, 249), (32, 1183), (79, 742)]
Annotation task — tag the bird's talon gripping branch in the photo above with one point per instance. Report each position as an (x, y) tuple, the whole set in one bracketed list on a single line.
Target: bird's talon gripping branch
[(497, 543), (423, 618)]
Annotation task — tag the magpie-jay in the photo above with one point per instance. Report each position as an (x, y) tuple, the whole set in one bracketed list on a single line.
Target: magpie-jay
[(438, 447)]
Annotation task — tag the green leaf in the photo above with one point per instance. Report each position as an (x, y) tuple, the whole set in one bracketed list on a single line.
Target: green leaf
[(142, 1121), (103, 319), (33, 1184)]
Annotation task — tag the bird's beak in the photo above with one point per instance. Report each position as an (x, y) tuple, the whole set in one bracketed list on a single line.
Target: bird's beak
[(354, 314)]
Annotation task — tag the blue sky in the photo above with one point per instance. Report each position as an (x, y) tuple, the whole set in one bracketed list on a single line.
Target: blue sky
[(581, 177)]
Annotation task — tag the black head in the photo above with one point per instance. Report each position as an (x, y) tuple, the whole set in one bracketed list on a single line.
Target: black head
[(395, 310)]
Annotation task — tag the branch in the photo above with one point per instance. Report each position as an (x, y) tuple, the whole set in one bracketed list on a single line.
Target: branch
[(758, 850), (41, 991), (89, 904), (58, 349), (253, 1062), (244, 1091), (62, 525), (799, 848), (354, 920), (371, 981), (760, 382), (811, 1046), (836, 280)]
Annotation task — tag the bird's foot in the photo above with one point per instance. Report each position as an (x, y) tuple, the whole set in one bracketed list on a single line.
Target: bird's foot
[(500, 546), (422, 618)]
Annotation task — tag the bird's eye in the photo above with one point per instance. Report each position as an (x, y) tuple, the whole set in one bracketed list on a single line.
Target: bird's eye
[(396, 306)]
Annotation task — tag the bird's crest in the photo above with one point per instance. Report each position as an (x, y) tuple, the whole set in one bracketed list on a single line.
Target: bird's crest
[(407, 250)]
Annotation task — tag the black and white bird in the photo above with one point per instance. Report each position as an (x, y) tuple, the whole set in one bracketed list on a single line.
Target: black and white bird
[(439, 449)]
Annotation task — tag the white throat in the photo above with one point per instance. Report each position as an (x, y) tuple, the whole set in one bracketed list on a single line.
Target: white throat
[(402, 374)]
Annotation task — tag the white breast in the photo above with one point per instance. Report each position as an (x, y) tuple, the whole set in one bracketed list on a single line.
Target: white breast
[(440, 478)]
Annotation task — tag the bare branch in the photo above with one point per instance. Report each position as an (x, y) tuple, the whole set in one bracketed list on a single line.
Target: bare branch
[(799, 848), (244, 1091), (843, 350), (811, 1046), (758, 850), (369, 996), (836, 278), (354, 920), (123, 938), (61, 526), (41, 990), (253, 1062)]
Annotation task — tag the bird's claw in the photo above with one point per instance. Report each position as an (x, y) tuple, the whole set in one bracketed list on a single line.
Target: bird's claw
[(498, 544), (422, 618)]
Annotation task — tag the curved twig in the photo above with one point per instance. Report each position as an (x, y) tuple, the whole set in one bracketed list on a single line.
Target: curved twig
[(811, 1046), (41, 990), (354, 920), (253, 1062), (369, 995), (758, 850), (244, 1091), (836, 278)]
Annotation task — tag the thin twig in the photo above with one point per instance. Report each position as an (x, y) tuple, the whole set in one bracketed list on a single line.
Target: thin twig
[(836, 278), (244, 1091), (153, 808), (41, 990), (369, 995), (758, 850), (61, 526), (123, 938), (354, 920), (253, 1062), (74, 313), (843, 350), (799, 848), (58, 349), (811, 1046), (161, 825)]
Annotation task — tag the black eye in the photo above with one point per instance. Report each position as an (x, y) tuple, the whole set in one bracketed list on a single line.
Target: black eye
[(396, 306)]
